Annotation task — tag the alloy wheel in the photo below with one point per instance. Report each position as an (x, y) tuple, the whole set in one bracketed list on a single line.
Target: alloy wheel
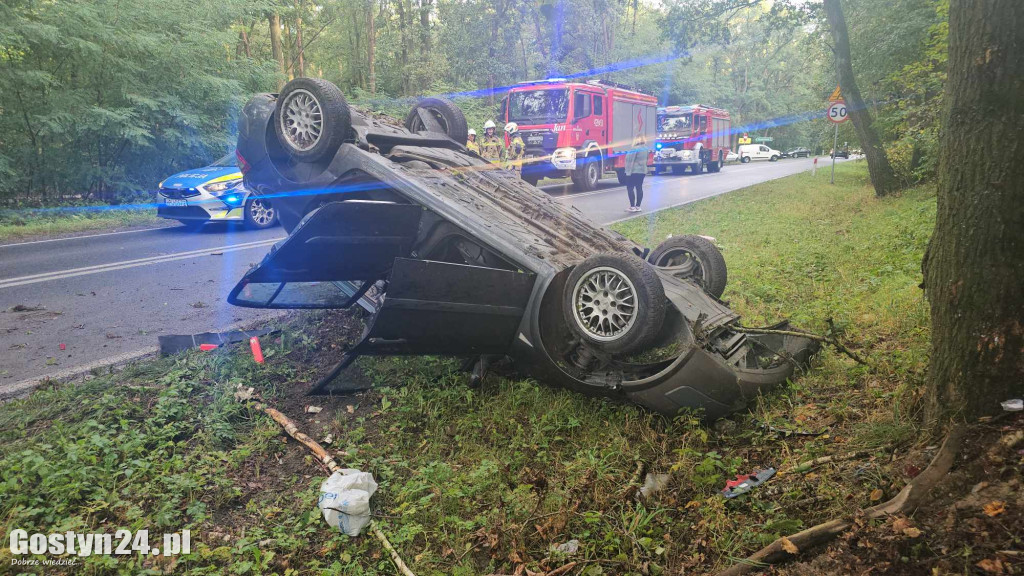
[(302, 120), (605, 303)]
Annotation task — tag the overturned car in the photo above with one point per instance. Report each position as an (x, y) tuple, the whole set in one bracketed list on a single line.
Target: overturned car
[(453, 256)]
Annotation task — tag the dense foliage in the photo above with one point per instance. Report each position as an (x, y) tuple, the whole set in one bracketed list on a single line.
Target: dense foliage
[(100, 98)]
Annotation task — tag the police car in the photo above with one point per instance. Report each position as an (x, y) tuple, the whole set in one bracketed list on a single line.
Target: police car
[(213, 193)]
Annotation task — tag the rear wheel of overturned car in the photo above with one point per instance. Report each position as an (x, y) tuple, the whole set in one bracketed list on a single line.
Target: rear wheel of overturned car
[(615, 302), (312, 119), (447, 115), (259, 214), (693, 258)]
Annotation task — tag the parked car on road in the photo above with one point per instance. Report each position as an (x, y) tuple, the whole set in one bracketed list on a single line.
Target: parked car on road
[(797, 153), (464, 258), (750, 152), (844, 153), (213, 193)]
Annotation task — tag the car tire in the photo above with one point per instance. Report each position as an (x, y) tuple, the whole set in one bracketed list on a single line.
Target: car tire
[(693, 258), (744, 159), (773, 159), (629, 278), (586, 177), (259, 214), (298, 104), (699, 167), (448, 115)]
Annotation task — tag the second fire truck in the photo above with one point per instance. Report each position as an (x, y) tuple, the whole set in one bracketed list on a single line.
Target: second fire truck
[(695, 137)]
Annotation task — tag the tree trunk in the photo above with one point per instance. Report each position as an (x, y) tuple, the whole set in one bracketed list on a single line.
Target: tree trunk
[(274, 20), (974, 265), (425, 8), (882, 176), (299, 48), (289, 55), (371, 46), (403, 38)]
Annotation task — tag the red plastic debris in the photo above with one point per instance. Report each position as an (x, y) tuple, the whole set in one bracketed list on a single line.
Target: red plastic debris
[(208, 347), (257, 352), (63, 346)]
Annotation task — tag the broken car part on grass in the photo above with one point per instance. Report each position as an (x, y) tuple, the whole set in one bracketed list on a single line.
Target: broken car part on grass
[(453, 256)]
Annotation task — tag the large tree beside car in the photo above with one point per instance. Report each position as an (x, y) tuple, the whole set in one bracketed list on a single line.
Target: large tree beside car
[(974, 266)]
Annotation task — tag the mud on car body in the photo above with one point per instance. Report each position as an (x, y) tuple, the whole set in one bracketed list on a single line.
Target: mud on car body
[(466, 259)]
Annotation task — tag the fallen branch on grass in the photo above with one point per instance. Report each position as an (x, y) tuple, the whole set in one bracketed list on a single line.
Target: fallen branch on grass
[(327, 460), (806, 466), (908, 498), (831, 340)]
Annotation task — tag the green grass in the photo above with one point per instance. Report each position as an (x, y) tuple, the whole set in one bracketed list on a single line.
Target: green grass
[(24, 224), (475, 481)]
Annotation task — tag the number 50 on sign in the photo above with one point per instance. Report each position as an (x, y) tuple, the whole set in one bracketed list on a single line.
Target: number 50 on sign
[(837, 112)]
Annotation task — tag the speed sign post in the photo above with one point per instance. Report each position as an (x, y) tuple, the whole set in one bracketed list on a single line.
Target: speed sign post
[(836, 114)]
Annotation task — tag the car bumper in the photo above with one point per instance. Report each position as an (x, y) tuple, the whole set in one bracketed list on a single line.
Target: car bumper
[(204, 207)]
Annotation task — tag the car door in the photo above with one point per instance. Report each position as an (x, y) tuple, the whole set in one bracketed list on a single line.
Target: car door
[(362, 252), (763, 152)]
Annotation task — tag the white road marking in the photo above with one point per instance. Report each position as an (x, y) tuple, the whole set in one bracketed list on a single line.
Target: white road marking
[(23, 387), (80, 237), (109, 267)]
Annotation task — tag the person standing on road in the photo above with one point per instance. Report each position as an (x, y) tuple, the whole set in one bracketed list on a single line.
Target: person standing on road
[(491, 146), (636, 170), (516, 148), (471, 144)]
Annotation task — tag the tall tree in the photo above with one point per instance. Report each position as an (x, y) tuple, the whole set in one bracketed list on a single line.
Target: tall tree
[(974, 266), (274, 21), (371, 45), (883, 178)]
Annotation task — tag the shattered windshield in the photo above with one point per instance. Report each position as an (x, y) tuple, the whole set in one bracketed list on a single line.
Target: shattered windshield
[(675, 124), (536, 106)]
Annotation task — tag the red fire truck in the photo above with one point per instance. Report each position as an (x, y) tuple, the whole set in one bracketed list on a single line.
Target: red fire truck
[(578, 129), (695, 136)]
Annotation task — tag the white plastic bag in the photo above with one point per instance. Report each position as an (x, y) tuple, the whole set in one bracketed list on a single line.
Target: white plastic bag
[(345, 500)]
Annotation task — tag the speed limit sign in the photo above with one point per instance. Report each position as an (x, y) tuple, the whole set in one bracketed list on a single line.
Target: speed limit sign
[(837, 112)]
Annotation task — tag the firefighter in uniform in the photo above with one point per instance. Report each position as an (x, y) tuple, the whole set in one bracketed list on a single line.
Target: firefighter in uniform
[(471, 142), (491, 146), (516, 148)]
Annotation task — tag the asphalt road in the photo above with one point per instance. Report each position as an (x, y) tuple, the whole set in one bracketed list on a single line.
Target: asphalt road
[(106, 297)]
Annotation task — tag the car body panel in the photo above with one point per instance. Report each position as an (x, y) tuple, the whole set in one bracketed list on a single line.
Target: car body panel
[(482, 269)]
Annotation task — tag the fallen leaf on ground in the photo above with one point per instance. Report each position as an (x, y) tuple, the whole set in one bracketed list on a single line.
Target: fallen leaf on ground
[(995, 508), (911, 532), (789, 546), (876, 494), (991, 565), (313, 409), (350, 409)]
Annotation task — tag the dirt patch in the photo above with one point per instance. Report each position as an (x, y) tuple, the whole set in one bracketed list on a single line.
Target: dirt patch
[(971, 525)]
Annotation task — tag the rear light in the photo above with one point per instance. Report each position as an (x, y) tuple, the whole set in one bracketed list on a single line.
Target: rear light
[(242, 164)]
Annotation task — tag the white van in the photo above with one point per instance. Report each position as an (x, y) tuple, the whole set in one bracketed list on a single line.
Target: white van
[(750, 152)]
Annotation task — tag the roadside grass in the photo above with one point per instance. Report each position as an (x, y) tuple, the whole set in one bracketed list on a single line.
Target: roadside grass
[(478, 481), (22, 224)]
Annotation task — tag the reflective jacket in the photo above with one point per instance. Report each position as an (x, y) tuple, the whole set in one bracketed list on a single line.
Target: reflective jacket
[(516, 149), (491, 147), (472, 146)]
